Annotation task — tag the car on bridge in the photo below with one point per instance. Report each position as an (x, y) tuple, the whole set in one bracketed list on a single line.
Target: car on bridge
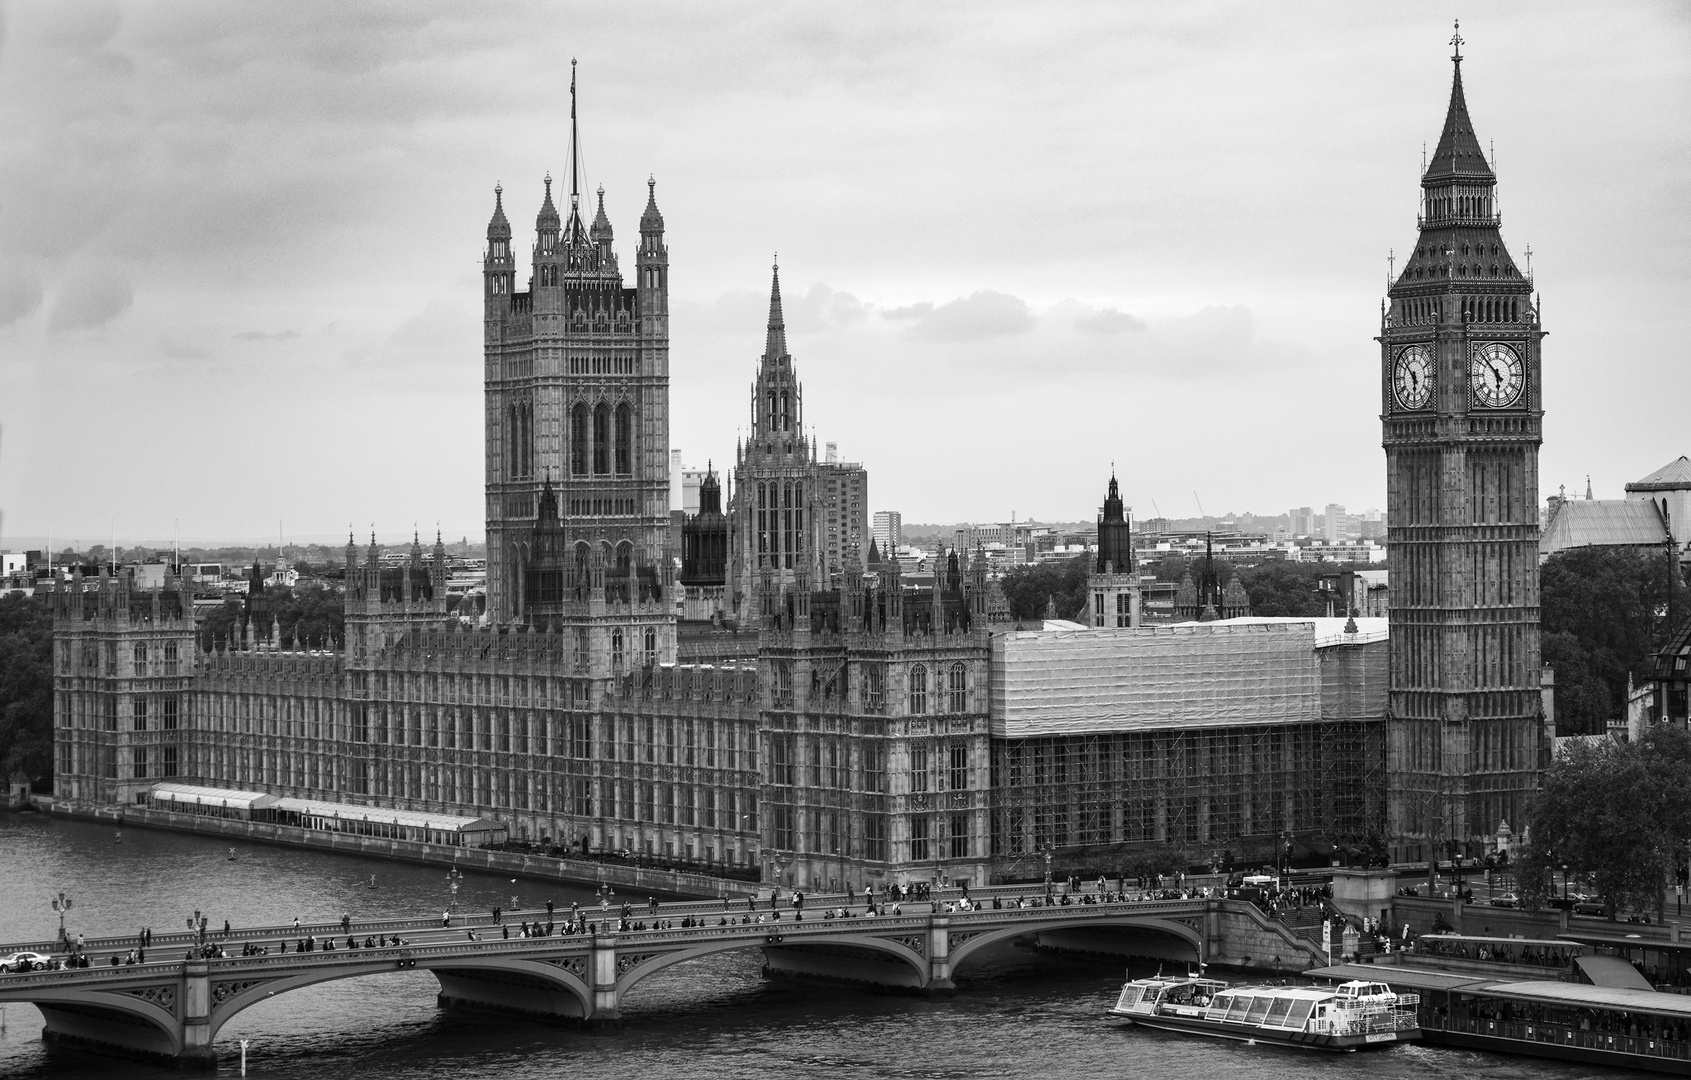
[(20, 962)]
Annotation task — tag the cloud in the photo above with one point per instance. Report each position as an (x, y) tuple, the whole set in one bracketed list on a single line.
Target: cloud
[(267, 335), (1109, 321), (1205, 341), (20, 294), (177, 350), (979, 315), (822, 308), (444, 332), (90, 298)]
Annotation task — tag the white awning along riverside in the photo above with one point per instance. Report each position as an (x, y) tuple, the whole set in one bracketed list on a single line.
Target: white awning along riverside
[(189, 794), (377, 815)]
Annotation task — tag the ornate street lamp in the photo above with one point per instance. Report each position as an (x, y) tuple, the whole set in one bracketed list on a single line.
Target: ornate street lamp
[(61, 904), (453, 877)]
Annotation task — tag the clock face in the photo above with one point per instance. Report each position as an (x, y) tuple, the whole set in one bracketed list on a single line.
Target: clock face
[(1412, 377), (1496, 375)]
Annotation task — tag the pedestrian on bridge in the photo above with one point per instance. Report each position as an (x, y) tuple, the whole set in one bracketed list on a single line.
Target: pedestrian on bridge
[(346, 923), (446, 918)]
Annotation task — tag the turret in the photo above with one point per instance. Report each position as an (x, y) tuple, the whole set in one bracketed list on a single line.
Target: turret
[(437, 571), (498, 265), (600, 233), (1115, 542), (652, 265), (547, 225)]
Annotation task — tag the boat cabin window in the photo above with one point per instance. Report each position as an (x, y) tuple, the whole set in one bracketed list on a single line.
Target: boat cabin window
[(1241, 1004), (1259, 1009), (1130, 995), (1299, 1015), (1277, 1011)]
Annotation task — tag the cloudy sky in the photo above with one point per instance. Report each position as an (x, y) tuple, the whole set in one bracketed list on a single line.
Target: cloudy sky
[(240, 243)]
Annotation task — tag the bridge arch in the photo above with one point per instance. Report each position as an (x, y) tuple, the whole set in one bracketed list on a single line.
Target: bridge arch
[(635, 964), (965, 942), (144, 1018), (507, 982)]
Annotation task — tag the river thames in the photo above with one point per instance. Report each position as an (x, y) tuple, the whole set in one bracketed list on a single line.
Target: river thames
[(1017, 1013)]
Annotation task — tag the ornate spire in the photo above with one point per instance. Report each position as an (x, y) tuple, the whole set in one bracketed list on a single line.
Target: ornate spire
[(775, 344), (651, 220), (546, 222), (1459, 154), (498, 228), (601, 231)]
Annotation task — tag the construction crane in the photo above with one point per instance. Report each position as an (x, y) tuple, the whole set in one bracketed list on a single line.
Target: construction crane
[(1200, 503)]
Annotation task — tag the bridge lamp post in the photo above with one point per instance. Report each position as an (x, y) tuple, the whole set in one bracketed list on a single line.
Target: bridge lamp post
[(453, 877), (61, 904)]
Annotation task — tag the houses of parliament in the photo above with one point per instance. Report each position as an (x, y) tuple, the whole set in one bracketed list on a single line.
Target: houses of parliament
[(774, 697)]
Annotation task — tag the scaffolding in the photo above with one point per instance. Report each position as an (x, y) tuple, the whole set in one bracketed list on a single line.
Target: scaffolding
[(1202, 675), (1223, 741)]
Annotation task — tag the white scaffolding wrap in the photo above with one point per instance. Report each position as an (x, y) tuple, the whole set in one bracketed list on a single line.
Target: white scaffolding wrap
[(1190, 676)]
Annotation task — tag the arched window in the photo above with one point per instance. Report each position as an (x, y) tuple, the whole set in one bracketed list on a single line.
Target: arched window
[(601, 439), (513, 463), (786, 422), (769, 417), (798, 519), (525, 447), (918, 690), (762, 522), (625, 558), (625, 440), (578, 440), (959, 688), (787, 525)]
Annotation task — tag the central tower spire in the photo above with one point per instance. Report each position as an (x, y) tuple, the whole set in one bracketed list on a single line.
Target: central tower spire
[(775, 344), (574, 231)]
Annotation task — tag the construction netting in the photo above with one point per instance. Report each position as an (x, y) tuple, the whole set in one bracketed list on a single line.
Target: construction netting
[(1194, 675)]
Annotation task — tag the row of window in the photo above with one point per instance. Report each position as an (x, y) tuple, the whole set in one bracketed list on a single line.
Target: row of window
[(162, 712), (950, 693), (145, 655), (949, 763), (143, 764), (827, 764), (949, 835)]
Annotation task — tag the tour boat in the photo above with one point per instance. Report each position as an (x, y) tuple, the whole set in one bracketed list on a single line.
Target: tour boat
[(1351, 1016)]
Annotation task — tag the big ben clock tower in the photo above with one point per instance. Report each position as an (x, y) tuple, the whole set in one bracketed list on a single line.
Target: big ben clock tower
[(1462, 409)]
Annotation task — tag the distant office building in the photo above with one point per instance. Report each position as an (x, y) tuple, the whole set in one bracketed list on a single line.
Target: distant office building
[(1333, 527), (844, 490), (1303, 521), (889, 531), (691, 481)]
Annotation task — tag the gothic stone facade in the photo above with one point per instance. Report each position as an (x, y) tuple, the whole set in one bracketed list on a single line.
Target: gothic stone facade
[(1462, 410)]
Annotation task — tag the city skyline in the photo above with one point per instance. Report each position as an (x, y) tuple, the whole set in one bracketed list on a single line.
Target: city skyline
[(255, 313)]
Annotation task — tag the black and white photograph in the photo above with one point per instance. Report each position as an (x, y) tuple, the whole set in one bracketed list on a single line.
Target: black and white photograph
[(448, 628)]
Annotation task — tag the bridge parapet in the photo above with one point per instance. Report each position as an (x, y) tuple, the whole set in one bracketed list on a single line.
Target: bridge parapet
[(181, 1005)]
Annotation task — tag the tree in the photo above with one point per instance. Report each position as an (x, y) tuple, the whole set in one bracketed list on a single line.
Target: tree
[(217, 627), (1614, 811), (1027, 588), (1602, 611), (309, 616), (26, 690), (1284, 589)]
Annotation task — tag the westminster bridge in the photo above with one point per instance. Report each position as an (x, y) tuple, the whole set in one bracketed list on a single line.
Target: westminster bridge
[(171, 1009)]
